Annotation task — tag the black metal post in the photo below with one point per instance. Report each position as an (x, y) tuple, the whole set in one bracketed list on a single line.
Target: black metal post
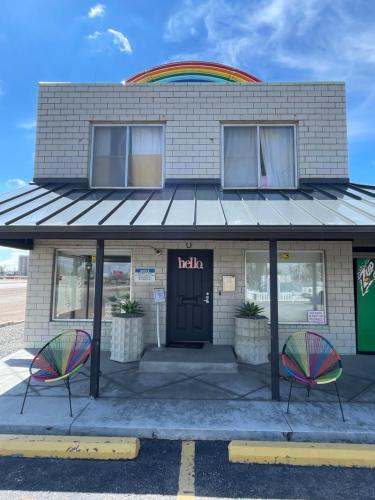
[(97, 325), (67, 383), (275, 381)]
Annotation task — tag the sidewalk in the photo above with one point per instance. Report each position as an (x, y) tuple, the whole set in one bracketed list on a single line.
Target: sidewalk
[(183, 406)]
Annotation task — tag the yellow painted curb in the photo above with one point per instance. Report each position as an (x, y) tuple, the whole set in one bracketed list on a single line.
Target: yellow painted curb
[(284, 452), (83, 447), (186, 480)]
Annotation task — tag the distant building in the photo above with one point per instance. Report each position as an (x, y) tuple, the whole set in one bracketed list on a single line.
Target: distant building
[(23, 264)]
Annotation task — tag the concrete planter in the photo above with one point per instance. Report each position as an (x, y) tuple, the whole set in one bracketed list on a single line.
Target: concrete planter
[(251, 340), (127, 338)]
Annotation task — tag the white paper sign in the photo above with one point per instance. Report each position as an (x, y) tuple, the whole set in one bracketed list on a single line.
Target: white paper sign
[(316, 317), (144, 274), (229, 283), (159, 295)]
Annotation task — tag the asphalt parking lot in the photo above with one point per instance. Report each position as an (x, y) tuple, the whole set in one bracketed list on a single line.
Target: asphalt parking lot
[(156, 473)]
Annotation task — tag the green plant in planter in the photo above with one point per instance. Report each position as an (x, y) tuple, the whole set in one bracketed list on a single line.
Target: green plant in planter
[(115, 302), (250, 310), (130, 308)]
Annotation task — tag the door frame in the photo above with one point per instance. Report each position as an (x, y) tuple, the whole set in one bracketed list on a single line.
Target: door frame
[(210, 253)]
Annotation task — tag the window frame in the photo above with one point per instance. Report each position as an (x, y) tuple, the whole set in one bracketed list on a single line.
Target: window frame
[(127, 126), (109, 253), (325, 286), (258, 125)]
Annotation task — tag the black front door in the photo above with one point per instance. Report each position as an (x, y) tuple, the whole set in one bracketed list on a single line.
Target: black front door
[(189, 297)]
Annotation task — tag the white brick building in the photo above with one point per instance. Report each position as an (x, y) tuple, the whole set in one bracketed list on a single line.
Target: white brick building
[(214, 169)]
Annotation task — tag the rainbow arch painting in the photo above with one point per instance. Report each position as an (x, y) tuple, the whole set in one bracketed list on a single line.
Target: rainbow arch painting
[(192, 71)]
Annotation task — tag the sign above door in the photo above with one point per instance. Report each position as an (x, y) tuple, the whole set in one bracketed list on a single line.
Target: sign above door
[(190, 263)]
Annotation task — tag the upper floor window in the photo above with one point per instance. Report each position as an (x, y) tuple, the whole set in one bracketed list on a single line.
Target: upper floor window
[(259, 156), (127, 156)]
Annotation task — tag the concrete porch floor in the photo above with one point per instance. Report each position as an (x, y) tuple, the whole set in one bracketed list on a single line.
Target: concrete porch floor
[(196, 405)]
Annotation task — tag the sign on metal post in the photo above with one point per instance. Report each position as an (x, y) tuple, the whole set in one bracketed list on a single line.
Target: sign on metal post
[(159, 298), (159, 295)]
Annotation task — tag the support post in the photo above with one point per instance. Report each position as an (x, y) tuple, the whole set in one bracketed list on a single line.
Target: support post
[(97, 324), (275, 379)]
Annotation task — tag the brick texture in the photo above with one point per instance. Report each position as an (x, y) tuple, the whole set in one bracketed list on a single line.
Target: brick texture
[(229, 259), (193, 114)]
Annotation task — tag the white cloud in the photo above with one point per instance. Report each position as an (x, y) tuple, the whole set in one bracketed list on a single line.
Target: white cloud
[(298, 39), (95, 35), (104, 39), (14, 184), (321, 37), (27, 125), (97, 11), (120, 40)]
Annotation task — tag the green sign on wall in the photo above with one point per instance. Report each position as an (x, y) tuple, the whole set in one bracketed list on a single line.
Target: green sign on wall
[(365, 274)]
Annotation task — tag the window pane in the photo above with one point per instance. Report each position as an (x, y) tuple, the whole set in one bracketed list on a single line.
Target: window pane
[(75, 285), (257, 280), (145, 156), (277, 156), (108, 168), (116, 283), (300, 280), (71, 287), (240, 157)]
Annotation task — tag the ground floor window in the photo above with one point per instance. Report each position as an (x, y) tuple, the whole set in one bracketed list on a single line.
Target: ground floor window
[(74, 284), (301, 282)]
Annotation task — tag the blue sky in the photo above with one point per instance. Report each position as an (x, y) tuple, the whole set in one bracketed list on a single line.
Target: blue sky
[(107, 41)]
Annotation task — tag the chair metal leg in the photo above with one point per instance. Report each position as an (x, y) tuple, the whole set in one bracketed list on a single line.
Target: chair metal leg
[(24, 398), (308, 387), (338, 396), (67, 383), (290, 393)]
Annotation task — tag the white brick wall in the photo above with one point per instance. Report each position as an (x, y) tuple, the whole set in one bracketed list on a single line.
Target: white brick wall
[(229, 258), (193, 114)]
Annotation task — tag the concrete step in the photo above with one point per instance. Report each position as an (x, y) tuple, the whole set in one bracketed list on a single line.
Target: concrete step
[(209, 359)]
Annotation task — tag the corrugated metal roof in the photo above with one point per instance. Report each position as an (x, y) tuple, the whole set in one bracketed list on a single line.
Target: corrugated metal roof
[(62, 206)]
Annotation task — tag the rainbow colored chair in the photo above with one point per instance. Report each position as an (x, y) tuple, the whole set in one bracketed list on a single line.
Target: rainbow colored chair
[(60, 360), (310, 359)]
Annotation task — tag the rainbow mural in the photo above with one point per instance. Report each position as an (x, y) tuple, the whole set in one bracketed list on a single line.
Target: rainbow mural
[(192, 71)]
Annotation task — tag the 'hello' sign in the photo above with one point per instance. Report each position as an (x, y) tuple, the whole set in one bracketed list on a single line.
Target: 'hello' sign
[(191, 263)]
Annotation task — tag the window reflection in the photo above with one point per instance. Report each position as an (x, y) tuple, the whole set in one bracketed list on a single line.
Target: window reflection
[(74, 285), (300, 283)]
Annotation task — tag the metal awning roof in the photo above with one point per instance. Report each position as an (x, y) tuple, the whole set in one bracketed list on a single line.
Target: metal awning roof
[(315, 211)]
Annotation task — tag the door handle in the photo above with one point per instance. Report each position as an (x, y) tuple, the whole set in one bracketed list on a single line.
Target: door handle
[(207, 298)]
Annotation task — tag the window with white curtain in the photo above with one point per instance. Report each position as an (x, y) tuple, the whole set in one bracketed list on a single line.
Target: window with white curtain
[(145, 156), (127, 156), (108, 169), (240, 156), (259, 156)]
